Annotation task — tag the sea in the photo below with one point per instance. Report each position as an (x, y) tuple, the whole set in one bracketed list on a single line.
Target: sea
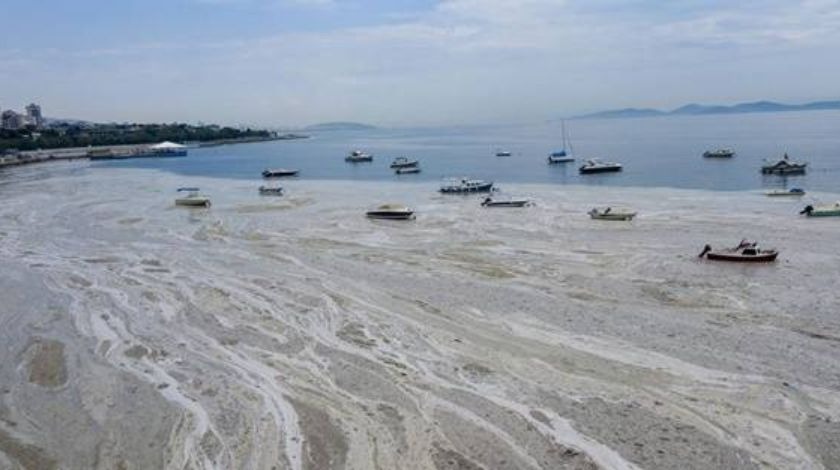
[(655, 152)]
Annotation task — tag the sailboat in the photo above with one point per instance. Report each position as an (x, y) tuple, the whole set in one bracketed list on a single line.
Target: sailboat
[(561, 156)]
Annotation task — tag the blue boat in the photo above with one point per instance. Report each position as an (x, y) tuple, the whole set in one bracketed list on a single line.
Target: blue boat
[(561, 156)]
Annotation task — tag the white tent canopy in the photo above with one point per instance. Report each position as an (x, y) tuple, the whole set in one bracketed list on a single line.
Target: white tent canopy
[(167, 146)]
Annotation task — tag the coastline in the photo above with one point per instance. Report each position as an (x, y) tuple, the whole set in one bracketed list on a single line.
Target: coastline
[(537, 337)]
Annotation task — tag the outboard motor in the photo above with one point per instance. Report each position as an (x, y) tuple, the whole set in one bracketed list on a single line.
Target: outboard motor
[(807, 210), (706, 249), (486, 201)]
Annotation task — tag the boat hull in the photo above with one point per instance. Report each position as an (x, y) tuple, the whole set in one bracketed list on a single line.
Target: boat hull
[(279, 174), (482, 188), (612, 216), (390, 215), (739, 258), (552, 160), (824, 213), (192, 202), (605, 169), (405, 165), (505, 203), (407, 171)]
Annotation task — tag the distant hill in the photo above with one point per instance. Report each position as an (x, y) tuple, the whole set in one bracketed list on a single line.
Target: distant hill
[(699, 109), (339, 126)]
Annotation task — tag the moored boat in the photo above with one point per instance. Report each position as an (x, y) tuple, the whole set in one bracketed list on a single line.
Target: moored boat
[(745, 252), (608, 213), (465, 185), (279, 172), (796, 192), (503, 153), (719, 153), (493, 202), (828, 210), (562, 156), (597, 166), (358, 156), (408, 170), (403, 162), (785, 166), (191, 197), (271, 190), (391, 212)]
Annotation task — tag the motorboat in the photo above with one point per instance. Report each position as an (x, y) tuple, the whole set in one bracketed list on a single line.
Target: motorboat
[(503, 153), (562, 156), (191, 197), (279, 172), (407, 171), (403, 162), (828, 210), (271, 191), (493, 202), (745, 252), (785, 166), (391, 212), (597, 166), (608, 213), (465, 185), (719, 153), (358, 156), (796, 192)]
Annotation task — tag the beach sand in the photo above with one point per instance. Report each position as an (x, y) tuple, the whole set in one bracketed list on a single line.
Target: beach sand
[(292, 332)]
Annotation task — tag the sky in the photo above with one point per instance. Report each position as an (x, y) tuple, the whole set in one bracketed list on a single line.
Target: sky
[(287, 63)]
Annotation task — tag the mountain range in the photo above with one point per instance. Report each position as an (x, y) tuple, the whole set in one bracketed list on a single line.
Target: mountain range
[(699, 109)]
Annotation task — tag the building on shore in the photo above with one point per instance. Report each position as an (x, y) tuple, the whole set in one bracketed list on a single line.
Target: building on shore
[(10, 120), (34, 116)]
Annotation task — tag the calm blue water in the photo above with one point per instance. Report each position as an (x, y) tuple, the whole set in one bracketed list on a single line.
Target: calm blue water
[(654, 151)]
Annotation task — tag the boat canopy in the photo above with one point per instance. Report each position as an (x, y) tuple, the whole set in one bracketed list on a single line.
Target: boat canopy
[(167, 146)]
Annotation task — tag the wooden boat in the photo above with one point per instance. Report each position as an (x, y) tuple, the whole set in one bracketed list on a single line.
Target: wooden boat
[(278, 173), (407, 171), (490, 202), (797, 192), (830, 210), (785, 166), (609, 213), (391, 212), (271, 191), (357, 156), (192, 198), (403, 162), (597, 166), (719, 153), (745, 252), (464, 185)]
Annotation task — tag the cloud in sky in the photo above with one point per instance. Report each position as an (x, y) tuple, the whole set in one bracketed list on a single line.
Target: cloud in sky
[(288, 62)]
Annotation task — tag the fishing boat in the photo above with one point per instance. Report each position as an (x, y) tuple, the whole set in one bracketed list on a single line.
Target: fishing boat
[(271, 191), (191, 197), (503, 153), (795, 192), (785, 166), (562, 156), (745, 252), (597, 166), (403, 162), (608, 213), (828, 210), (279, 173), (493, 202), (719, 153), (407, 171), (358, 156), (465, 185), (391, 212)]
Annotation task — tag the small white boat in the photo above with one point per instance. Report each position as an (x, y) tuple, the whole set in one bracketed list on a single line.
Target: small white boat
[(608, 213), (391, 212), (407, 171), (358, 156), (403, 162), (719, 153), (795, 192), (465, 185), (493, 202), (271, 190), (191, 197), (597, 166), (828, 210)]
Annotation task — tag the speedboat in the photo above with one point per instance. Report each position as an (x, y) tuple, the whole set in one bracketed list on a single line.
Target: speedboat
[(785, 166), (492, 202), (608, 213), (358, 156), (719, 153), (191, 197), (745, 252), (786, 192), (403, 162), (503, 153), (279, 172), (828, 210), (597, 166), (465, 185), (391, 212), (271, 191), (407, 170)]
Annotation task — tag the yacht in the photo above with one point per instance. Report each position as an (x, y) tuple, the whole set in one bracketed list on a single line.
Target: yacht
[(403, 162), (597, 166), (719, 153), (785, 166), (358, 156), (465, 185), (279, 172)]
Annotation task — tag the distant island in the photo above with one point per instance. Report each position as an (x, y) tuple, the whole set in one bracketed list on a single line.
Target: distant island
[(699, 109), (339, 126)]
